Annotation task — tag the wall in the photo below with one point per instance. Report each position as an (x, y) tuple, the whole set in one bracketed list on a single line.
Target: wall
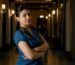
[(34, 13), (73, 27), (68, 27), (0, 25), (7, 22)]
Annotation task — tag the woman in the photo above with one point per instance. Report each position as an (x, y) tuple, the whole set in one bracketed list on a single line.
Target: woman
[(30, 43)]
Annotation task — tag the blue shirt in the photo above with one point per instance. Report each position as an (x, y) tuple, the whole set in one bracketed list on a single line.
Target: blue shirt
[(33, 42)]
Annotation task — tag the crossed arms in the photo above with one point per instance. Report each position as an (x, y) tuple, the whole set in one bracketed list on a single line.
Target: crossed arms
[(34, 53)]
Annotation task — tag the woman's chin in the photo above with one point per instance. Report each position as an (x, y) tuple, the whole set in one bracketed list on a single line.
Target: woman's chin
[(27, 25)]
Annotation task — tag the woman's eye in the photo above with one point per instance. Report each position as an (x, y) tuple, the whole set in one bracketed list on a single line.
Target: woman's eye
[(24, 15), (28, 14)]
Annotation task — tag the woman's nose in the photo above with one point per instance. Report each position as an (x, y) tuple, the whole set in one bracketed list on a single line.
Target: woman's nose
[(28, 16)]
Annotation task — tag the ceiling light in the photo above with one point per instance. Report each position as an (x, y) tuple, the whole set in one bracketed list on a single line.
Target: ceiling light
[(41, 16)]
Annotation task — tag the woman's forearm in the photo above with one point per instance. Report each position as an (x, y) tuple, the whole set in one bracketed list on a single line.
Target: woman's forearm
[(41, 48), (35, 55), (44, 46)]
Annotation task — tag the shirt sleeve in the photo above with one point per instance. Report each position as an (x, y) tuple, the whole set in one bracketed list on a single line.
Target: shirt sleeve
[(18, 36)]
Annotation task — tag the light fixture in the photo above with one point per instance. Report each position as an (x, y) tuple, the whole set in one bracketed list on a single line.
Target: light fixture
[(17, 0), (41, 16), (46, 17), (48, 0), (53, 12), (3, 6), (20, 0), (13, 12), (54, 2), (61, 5), (49, 15)]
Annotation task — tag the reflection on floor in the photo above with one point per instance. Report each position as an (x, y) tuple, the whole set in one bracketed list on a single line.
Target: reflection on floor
[(53, 58)]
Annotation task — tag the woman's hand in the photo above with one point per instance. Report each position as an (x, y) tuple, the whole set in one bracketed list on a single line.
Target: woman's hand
[(43, 47), (28, 52), (25, 58)]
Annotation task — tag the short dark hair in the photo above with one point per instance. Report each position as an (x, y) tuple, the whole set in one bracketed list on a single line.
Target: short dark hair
[(19, 9)]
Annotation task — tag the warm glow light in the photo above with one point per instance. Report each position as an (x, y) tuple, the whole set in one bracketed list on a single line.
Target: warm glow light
[(61, 5), (46, 17), (20, 0), (17, 0), (49, 15), (53, 12), (12, 11), (48, 0), (41, 16), (3, 6)]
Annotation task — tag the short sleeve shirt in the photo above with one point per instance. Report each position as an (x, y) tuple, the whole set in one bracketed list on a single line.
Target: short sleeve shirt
[(33, 42)]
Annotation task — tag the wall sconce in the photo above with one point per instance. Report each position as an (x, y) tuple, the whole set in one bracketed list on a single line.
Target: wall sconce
[(13, 12), (53, 12), (46, 17), (3, 6), (61, 5), (49, 15)]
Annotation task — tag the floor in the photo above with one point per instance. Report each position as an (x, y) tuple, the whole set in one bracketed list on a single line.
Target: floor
[(53, 58)]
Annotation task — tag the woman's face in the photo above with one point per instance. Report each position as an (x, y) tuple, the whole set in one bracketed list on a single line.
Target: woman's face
[(24, 17)]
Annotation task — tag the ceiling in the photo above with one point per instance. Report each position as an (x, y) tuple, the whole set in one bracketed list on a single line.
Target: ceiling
[(36, 0), (37, 4)]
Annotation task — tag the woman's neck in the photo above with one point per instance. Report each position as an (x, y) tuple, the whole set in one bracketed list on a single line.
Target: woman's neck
[(23, 26), (26, 27)]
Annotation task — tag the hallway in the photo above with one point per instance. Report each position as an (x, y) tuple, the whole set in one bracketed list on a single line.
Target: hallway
[(54, 58), (55, 20)]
